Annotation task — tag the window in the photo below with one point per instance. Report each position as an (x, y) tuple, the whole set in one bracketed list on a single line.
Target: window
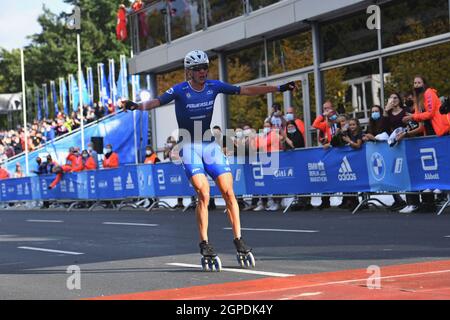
[(406, 21), (431, 62), (294, 52), (151, 26), (219, 11), (247, 64), (186, 17), (346, 37), (258, 4), (354, 88), (246, 110)]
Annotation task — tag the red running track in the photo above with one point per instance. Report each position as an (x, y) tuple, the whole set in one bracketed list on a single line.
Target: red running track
[(418, 281)]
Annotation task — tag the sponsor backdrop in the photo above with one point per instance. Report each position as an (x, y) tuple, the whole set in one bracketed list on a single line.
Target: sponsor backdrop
[(416, 164)]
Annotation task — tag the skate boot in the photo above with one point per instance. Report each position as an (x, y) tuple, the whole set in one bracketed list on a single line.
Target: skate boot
[(210, 261), (244, 255)]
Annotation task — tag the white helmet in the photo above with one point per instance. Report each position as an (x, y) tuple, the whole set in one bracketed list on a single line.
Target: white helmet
[(195, 58)]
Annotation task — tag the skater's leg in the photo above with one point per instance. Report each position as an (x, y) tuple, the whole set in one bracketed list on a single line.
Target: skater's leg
[(201, 186), (225, 184)]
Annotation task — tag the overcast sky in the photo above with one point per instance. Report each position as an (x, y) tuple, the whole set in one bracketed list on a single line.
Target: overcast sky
[(18, 19)]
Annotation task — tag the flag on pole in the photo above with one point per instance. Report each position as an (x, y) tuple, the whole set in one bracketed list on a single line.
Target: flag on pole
[(38, 103), (112, 81), (84, 91), (74, 93), (122, 82), (104, 87), (90, 86), (45, 100), (63, 95), (54, 96)]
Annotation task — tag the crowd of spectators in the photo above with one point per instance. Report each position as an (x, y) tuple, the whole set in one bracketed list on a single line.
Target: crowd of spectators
[(12, 142), (414, 113)]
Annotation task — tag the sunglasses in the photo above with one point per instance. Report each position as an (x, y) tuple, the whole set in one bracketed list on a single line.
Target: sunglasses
[(200, 67)]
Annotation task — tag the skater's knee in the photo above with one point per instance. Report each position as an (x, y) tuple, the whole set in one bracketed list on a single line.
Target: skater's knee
[(228, 195), (203, 196)]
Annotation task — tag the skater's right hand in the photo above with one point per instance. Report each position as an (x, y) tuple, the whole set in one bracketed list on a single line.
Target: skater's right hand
[(129, 105)]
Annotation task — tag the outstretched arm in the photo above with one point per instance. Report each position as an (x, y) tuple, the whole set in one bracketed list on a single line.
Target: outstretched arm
[(258, 90)]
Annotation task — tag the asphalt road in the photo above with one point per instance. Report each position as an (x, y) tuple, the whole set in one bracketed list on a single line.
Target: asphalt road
[(134, 251)]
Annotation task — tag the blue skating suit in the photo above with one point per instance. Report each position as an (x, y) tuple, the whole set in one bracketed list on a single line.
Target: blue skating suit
[(194, 110)]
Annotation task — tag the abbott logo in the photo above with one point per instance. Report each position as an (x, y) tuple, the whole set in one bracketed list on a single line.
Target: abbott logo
[(345, 172), (429, 159), (161, 179)]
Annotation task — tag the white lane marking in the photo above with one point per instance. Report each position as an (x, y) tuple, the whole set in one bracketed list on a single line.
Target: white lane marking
[(252, 293), (131, 224), (49, 221), (277, 230), (50, 250), (263, 273), (447, 237), (306, 294)]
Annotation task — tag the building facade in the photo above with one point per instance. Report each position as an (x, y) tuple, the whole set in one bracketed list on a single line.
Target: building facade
[(354, 53)]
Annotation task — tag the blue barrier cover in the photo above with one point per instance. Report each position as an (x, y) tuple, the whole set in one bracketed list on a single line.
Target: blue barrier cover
[(413, 165)]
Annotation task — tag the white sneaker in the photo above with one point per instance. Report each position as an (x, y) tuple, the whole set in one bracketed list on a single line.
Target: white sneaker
[(437, 191), (427, 190), (274, 207), (260, 207), (409, 209)]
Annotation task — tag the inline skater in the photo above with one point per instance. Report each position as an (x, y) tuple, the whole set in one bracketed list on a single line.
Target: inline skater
[(194, 103)]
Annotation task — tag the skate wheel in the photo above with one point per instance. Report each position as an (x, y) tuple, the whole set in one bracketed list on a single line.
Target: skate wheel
[(210, 265), (250, 259), (240, 260), (218, 264), (205, 264)]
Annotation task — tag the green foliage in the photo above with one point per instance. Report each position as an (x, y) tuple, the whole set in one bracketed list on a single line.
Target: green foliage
[(53, 52)]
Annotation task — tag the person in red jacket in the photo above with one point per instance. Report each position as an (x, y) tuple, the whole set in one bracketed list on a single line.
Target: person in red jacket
[(429, 103), (111, 158), (326, 123), (150, 156), (121, 28), (3, 174), (88, 161), (74, 163)]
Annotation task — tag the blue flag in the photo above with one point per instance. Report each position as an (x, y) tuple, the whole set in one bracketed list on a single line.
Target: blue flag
[(54, 96), (112, 81), (90, 86), (45, 100), (84, 91), (122, 82), (104, 87), (74, 93), (38, 104), (63, 95)]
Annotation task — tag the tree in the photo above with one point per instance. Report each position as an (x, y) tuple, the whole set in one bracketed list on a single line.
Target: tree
[(53, 53)]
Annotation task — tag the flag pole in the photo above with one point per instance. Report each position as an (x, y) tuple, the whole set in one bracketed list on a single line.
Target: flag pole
[(24, 110), (80, 91)]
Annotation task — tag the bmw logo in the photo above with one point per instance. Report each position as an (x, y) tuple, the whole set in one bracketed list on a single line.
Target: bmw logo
[(378, 166)]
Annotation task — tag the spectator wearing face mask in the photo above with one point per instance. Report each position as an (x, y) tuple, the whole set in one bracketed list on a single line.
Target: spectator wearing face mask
[(291, 116), (326, 123), (74, 163), (428, 104), (378, 124), (111, 158), (150, 156), (295, 137), (18, 173), (276, 118), (88, 161), (93, 154)]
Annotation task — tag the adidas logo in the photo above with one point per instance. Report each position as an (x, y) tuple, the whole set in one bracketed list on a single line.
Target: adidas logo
[(345, 172)]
